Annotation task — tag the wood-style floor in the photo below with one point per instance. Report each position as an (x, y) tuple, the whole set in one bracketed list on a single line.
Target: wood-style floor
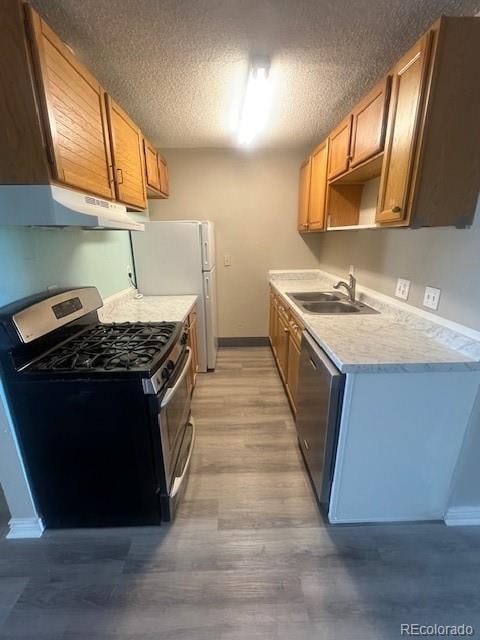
[(248, 557)]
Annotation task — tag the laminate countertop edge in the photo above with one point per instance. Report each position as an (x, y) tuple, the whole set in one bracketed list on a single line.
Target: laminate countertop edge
[(126, 307)]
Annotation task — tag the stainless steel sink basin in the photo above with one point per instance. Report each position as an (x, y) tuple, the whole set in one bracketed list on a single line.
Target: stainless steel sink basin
[(328, 303), (315, 296), (335, 307), (331, 307)]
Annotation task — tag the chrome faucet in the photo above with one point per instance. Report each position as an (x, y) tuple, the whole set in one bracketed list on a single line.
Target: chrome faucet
[(349, 287)]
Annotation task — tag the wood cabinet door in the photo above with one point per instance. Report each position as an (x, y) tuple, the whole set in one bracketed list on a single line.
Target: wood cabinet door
[(73, 111), (152, 173), (304, 195), (190, 373), (127, 156), (339, 148), (318, 188), (275, 328), (192, 343), (163, 171), (293, 368), (404, 119), (369, 123), (282, 346), (271, 324)]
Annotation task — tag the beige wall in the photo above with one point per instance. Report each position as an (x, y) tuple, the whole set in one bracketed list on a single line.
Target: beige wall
[(445, 258), (252, 198)]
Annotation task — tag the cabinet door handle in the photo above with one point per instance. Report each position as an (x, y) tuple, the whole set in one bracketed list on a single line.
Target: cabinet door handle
[(313, 364), (305, 443), (396, 209), (285, 330), (119, 176), (111, 177)]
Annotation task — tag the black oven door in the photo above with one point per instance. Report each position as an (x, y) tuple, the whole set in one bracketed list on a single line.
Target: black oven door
[(173, 416)]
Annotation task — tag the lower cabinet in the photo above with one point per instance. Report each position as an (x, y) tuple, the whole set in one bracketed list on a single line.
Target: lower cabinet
[(285, 334), (272, 332), (292, 371), (191, 330), (282, 346)]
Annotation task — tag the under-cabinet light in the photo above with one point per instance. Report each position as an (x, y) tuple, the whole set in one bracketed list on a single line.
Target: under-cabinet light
[(256, 102)]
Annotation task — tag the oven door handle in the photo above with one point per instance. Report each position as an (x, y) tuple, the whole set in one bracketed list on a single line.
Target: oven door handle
[(171, 392), (179, 481)]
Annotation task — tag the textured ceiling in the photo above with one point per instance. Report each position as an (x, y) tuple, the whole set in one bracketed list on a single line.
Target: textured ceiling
[(179, 66)]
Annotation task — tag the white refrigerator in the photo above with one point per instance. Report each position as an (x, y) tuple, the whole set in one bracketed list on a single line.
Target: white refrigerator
[(178, 258)]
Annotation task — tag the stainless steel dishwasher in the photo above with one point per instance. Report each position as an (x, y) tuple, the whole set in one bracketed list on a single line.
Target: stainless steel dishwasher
[(319, 407)]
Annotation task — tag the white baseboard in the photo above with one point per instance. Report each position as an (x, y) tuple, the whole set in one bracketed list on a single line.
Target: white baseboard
[(461, 516), (25, 528)]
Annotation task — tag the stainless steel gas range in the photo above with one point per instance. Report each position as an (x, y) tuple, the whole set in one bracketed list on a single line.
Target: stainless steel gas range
[(101, 411)]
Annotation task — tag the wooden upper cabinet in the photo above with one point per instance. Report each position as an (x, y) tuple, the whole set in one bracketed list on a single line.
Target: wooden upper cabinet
[(339, 148), (127, 155), (408, 92), (304, 194), (152, 173), (163, 172), (73, 111), (318, 188), (156, 172), (369, 124)]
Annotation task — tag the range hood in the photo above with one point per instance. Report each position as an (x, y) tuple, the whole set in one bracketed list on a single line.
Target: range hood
[(54, 206)]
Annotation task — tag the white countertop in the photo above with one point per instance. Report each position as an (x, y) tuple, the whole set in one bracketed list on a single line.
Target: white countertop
[(394, 340), (125, 307)]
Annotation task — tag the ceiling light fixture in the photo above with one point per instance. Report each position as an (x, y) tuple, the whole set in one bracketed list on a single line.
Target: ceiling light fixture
[(256, 101)]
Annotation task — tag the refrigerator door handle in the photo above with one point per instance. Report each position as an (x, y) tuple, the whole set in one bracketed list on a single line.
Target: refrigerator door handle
[(205, 253), (207, 287)]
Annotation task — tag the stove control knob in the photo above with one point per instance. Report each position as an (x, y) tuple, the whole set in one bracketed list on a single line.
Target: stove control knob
[(165, 374), (170, 365)]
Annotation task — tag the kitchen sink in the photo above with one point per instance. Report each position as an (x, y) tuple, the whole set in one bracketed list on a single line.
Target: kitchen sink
[(331, 307), (335, 307), (315, 296), (328, 303)]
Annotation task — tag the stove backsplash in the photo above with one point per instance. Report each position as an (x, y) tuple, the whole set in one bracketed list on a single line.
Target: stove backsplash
[(31, 260)]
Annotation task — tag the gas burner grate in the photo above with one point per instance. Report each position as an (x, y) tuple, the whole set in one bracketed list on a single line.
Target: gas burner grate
[(108, 347)]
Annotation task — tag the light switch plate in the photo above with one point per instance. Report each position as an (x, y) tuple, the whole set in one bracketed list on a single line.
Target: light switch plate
[(431, 298), (227, 260), (403, 288)]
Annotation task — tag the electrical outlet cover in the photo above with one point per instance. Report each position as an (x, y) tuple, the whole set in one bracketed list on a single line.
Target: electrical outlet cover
[(403, 288), (431, 298)]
